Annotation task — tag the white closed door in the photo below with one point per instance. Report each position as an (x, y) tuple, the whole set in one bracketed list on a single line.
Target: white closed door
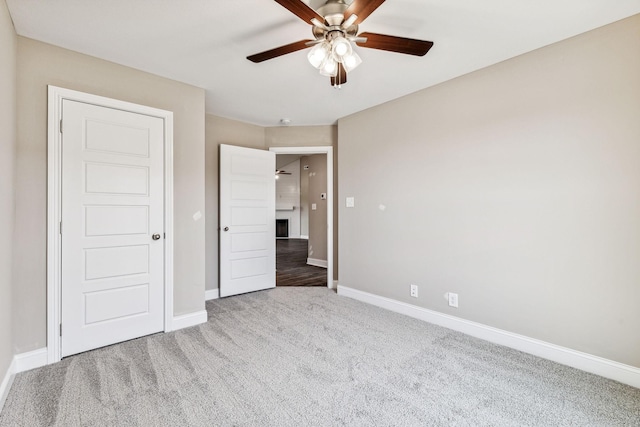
[(247, 220), (112, 206)]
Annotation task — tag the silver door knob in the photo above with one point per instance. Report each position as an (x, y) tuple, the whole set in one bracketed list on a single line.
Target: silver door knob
[(226, 229), (156, 236)]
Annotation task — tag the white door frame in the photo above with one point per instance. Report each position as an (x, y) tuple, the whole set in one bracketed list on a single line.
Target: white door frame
[(54, 206), (307, 151)]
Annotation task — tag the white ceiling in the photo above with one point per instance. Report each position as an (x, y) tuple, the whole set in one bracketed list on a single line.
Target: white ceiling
[(205, 43)]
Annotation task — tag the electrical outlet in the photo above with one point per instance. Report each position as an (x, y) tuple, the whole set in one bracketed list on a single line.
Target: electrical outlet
[(414, 291), (453, 300)]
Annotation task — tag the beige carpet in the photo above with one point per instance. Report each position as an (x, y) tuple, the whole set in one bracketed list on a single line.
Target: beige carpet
[(307, 357)]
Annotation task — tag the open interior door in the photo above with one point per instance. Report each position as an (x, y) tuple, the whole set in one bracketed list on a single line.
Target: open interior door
[(247, 220)]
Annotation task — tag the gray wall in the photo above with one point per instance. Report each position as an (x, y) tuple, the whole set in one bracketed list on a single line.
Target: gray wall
[(8, 52), (517, 186), (39, 65), (317, 175)]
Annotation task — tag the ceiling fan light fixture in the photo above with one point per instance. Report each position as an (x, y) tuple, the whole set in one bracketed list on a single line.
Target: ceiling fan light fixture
[(340, 47), (329, 67), (335, 25), (350, 62), (318, 54)]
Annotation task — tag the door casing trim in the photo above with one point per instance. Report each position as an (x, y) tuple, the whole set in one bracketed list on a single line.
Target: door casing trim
[(54, 204)]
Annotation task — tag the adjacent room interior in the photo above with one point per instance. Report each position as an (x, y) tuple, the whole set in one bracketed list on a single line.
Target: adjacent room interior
[(418, 213), (301, 220)]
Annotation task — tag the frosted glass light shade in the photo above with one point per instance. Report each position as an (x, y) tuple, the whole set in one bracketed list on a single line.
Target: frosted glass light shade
[(318, 54), (350, 62), (340, 47), (329, 68)]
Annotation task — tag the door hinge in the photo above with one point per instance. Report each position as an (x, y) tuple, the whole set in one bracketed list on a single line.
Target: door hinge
[(60, 125), (60, 329)]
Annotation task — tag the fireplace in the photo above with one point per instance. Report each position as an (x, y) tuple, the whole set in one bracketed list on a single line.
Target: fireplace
[(282, 228)]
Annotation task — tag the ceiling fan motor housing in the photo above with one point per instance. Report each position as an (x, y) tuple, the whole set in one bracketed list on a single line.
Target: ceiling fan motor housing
[(333, 13)]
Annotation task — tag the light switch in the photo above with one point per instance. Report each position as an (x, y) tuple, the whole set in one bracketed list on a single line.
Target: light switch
[(313, 206), (351, 202)]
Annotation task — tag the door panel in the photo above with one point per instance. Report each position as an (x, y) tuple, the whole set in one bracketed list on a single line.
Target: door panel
[(116, 303), (247, 220), (243, 242), (105, 263), (116, 179), (249, 216), (120, 139), (116, 220), (112, 203)]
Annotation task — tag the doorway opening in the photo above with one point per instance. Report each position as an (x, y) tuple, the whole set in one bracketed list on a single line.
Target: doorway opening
[(305, 200)]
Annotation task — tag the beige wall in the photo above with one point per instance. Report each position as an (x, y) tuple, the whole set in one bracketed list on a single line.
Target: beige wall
[(301, 136), (517, 186), (8, 52), (317, 175), (39, 65), (231, 132)]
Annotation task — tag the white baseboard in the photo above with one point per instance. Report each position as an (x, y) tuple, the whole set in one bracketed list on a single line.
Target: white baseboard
[(7, 381), (304, 236), (20, 363), (30, 360), (188, 320), (587, 362), (317, 262), (210, 294)]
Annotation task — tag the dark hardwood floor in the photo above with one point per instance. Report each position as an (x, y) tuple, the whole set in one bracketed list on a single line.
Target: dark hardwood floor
[(291, 265)]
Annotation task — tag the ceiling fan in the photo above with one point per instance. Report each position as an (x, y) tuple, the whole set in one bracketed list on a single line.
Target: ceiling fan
[(334, 27)]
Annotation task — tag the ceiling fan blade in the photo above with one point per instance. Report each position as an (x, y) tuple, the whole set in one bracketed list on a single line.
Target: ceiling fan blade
[(395, 44), (362, 8), (279, 51), (301, 10), (340, 78)]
